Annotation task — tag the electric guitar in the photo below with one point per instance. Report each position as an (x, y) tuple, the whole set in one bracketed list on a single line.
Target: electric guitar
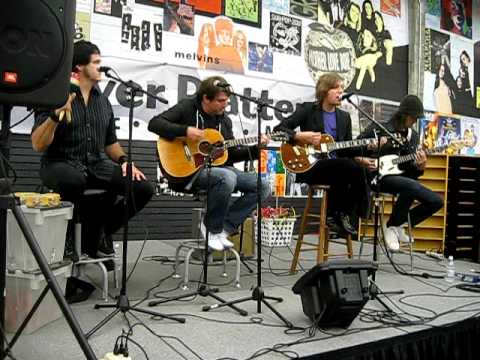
[(388, 164), (301, 158), (182, 157)]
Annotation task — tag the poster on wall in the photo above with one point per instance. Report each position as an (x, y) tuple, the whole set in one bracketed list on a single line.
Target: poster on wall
[(209, 8), (457, 17), (178, 18), (278, 6), (109, 7), (391, 7), (285, 34), (305, 8), (247, 12), (368, 47)]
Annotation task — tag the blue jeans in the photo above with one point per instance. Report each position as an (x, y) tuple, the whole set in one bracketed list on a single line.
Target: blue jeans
[(409, 190), (223, 211)]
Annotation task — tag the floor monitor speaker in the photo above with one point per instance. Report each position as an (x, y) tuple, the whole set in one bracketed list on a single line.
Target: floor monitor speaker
[(334, 292)]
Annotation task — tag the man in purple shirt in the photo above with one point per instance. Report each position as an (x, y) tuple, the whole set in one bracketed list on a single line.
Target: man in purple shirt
[(348, 187)]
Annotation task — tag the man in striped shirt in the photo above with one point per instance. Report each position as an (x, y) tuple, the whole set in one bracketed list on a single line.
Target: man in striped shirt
[(81, 151)]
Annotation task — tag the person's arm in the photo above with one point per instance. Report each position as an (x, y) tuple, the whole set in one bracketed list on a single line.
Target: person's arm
[(171, 123), (46, 123)]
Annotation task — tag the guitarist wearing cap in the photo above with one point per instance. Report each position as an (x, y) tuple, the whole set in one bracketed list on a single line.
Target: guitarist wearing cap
[(192, 121), (405, 185), (346, 178)]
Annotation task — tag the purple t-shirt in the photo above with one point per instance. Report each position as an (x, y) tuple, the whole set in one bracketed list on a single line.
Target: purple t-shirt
[(330, 123)]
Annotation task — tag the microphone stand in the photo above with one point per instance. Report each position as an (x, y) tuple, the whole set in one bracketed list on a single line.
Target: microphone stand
[(258, 293), (203, 288), (374, 291), (123, 303)]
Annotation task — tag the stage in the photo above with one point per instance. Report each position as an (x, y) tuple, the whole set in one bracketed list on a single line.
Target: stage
[(429, 319)]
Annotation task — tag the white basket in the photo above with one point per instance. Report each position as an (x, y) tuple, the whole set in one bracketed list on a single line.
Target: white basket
[(277, 231)]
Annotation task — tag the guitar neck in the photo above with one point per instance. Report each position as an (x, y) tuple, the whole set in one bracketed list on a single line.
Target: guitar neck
[(348, 144), (410, 157), (242, 141)]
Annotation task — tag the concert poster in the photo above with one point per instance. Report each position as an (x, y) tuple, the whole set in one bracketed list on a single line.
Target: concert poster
[(391, 7), (304, 8), (470, 130), (332, 12), (260, 58), (285, 34), (476, 50), (109, 7), (448, 130), (209, 8), (365, 46), (225, 52), (433, 7), (437, 50), (247, 12), (278, 6), (457, 17), (428, 129), (178, 18)]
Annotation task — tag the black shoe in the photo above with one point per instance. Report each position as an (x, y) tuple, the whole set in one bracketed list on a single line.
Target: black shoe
[(343, 223), (105, 247)]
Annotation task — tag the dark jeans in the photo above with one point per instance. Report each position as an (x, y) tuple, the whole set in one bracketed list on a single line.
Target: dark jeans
[(409, 190), (225, 212), (347, 181), (103, 212)]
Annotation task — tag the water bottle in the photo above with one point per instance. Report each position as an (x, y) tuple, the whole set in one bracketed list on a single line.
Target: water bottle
[(450, 273)]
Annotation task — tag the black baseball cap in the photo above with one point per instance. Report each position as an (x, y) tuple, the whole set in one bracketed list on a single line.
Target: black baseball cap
[(411, 105)]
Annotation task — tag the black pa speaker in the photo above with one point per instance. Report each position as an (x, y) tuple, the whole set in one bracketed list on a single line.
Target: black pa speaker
[(334, 292), (36, 49)]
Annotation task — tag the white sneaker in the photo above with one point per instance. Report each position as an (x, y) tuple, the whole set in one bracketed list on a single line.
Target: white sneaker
[(391, 238), (402, 235), (215, 241), (227, 244)]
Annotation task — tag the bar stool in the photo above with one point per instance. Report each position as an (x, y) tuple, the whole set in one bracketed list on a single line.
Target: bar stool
[(84, 259), (197, 247), (383, 199), (320, 192)]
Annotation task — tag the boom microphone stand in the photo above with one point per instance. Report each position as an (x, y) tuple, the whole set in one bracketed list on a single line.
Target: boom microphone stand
[(203, 288), (258, 294), (376, 187), (123, 304), (8, 201)]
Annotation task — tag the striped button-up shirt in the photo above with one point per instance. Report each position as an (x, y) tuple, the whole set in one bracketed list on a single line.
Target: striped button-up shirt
[(82, 142)]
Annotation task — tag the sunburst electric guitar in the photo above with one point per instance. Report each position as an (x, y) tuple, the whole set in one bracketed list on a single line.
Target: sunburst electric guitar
[(301, 158), (182, 157)]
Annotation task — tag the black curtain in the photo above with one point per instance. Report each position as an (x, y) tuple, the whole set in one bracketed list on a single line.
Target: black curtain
[(457, 341)]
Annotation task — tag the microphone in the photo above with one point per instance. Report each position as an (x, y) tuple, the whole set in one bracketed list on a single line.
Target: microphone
[(347, 95), (221, 84), (104, 69)]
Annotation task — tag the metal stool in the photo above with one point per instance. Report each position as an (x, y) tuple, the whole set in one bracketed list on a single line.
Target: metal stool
[(323, 231), (83, 259), (382, 199), (199, 247)]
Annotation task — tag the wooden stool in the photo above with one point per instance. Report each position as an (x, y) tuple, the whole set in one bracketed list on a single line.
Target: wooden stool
[(323, 232)]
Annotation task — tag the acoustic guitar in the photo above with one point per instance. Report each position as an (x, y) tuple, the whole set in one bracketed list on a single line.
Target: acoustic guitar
[(301, 158), (182, 157)]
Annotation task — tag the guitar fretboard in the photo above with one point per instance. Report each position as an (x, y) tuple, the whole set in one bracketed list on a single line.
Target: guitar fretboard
[(410, 157), (241, 141), (348, 144)]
